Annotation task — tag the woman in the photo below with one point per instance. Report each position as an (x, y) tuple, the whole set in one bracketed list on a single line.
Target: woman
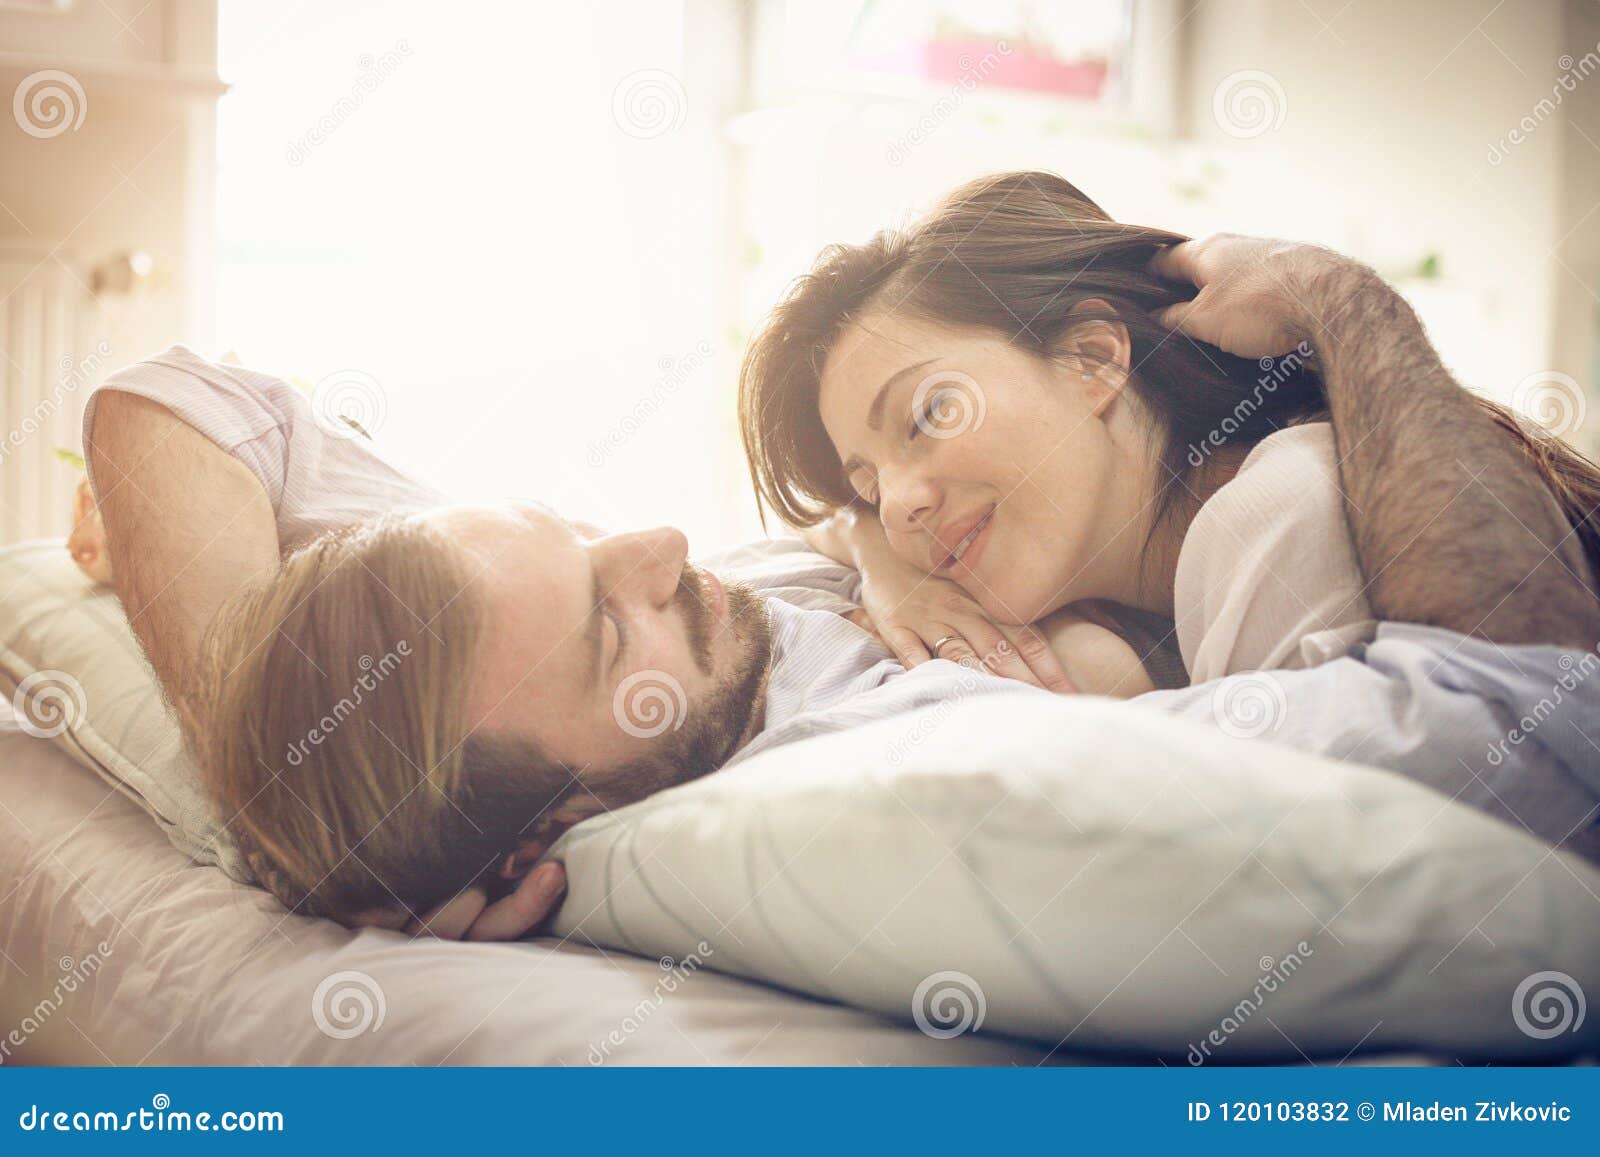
[(993, 417)]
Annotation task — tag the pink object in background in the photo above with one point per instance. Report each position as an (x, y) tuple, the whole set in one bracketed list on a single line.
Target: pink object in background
[(954, 61)]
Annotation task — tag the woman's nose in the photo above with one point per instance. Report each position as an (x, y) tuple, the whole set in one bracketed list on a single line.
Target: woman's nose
[(906, 502), (646, 564)]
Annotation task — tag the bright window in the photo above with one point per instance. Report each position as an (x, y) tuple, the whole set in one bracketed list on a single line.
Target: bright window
[(510, 218)]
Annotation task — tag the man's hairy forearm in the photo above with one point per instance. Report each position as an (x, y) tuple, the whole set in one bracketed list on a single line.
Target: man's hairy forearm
[(1452, 523), (187, 526)]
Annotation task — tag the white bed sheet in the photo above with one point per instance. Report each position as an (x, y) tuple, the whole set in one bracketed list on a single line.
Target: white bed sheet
[(200, 970)]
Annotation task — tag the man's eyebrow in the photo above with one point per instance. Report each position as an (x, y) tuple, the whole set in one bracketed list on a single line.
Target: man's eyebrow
[(875, 411), (593, 626), (593, 635)]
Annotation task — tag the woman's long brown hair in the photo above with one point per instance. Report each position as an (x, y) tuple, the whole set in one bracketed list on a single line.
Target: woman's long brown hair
[(1013, 254)]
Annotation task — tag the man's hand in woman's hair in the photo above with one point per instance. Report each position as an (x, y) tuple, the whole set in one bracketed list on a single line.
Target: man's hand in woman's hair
[(1252, 291)]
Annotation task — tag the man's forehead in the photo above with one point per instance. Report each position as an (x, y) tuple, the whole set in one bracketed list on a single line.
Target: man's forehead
[(542, 598)]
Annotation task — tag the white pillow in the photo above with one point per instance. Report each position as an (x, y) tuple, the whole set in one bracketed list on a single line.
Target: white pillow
[(74, 674), (1089, 874)]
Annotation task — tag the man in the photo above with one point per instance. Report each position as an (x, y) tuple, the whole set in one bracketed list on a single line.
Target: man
[(427, 697)]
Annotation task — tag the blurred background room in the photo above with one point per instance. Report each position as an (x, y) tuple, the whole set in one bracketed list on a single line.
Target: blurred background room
[(522, 246)]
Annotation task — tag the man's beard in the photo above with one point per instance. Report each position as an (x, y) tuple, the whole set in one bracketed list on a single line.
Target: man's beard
[(726, 717)]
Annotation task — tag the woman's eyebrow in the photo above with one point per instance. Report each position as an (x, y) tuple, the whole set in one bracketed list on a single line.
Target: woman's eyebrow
[(875, 411)]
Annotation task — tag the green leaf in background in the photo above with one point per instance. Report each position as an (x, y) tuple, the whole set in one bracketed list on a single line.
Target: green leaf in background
[(355, 425), (71, 458)]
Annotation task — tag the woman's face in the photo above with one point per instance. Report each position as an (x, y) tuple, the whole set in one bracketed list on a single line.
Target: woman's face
[(989, 465)]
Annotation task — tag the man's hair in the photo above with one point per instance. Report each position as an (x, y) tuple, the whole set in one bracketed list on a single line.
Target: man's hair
[(335, 738)]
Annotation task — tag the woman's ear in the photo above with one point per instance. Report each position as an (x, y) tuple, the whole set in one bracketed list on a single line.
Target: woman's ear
[(1101, 349)]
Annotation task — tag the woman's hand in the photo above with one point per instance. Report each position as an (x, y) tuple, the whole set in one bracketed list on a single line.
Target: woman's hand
[(920, 617), (1252, 291)]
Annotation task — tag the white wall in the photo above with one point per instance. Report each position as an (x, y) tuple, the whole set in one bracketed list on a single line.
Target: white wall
[(1392, 145)]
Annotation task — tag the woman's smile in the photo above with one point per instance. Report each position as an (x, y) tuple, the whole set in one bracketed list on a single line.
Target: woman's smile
[(958, 547)]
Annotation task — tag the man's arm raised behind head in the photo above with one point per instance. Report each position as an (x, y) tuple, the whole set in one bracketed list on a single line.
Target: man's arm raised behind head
[(187, 526)]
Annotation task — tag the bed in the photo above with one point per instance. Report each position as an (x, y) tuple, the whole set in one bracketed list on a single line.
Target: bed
[(171, 962), (1014, 879)]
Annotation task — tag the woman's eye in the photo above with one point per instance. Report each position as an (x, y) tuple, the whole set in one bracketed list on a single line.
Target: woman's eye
[(926, 416)]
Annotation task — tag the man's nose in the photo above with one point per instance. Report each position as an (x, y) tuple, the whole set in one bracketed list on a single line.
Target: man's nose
[(643, 564), (907, 502)]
